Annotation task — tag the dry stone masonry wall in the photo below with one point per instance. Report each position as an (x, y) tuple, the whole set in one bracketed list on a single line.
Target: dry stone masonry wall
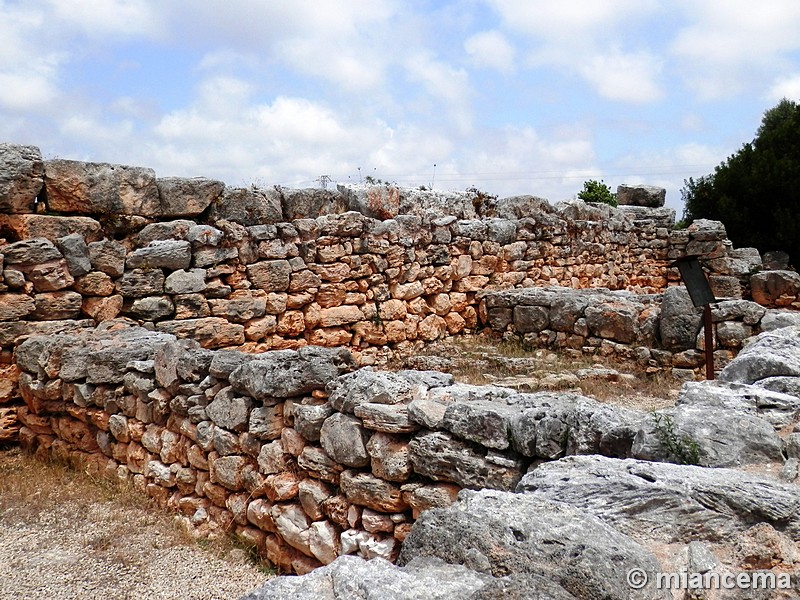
[(309, 458)]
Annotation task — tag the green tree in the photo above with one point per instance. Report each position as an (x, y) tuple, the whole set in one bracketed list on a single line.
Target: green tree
[(597, 191), (756, 191)]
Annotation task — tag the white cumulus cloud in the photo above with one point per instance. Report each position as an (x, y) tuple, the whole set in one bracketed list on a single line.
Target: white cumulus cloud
[(490, 49)]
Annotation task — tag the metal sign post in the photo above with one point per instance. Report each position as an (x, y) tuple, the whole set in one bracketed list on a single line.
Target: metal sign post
[(700, 292)]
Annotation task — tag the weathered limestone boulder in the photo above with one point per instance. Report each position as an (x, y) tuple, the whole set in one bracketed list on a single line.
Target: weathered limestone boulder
[(211, 332), (442, 457), (641, 195), (367, 490), (653, 501), (713, 438), (385, 202), (270, 275), (152, 308), (108, 256), (614, 320), (28, 253), (161, 254), (185, 281), (368, 386), (51, 227), (187, 197), (15, 306), (21, 178), (54, 306), (775, 288), (771, 354), (75, 251), (248, 206), (680, 320), (485, 422), (515, 207), (377, 201), (424, 579), (344, 440), (308, 419), (138, 283), (51, 276), (100, 189), (389, 457), (229, 410), (286, 373), (310, 203), (775, 407), (501, 533), (777, 319)]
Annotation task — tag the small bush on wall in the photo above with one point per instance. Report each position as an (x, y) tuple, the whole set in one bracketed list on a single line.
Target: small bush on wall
[(597, 191)]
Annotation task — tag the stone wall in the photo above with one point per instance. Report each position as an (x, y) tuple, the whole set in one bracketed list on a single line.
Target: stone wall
[(308, 458), (658, 331), (271, 269)]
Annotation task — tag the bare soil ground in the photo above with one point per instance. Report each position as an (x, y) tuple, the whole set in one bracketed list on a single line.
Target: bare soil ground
[(65, 535), (484, 360)]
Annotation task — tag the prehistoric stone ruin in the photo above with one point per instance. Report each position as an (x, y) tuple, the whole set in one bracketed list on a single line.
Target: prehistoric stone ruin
[(222, 348)]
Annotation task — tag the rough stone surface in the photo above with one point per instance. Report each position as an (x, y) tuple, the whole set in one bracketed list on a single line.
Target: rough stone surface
[(771, 354), (664, 502), (720, 437), (442, 458), (100, 189), (351, 577), (501, 533), (641, 195), (344, 440), (286, 373), (21, 178), (187, 197)]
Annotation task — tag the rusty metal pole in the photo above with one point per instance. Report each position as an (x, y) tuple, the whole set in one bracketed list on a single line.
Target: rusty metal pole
[(709, 337)]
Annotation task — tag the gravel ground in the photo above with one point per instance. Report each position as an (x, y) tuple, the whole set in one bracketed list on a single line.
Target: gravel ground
[(97, 548)]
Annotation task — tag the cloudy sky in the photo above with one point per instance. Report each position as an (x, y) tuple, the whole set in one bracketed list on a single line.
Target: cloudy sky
[(510, 96)]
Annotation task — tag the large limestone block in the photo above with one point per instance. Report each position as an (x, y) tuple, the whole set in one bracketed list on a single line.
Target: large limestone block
[(663, 502), (367, 490), (28, 253), (108, 256), (772, 354), (287, 373), (248, 206), (15, 306), (211, 332), (311, 203), (680, 320), (344, 440), (187, 197), (270, 275), (641, 195), (21, 178), (161, 254), (775, 288), (54, 306), (368, 386), (507, 534), (376, 578), (713, 437), (442, 457), (51, 227), (100, 189)]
